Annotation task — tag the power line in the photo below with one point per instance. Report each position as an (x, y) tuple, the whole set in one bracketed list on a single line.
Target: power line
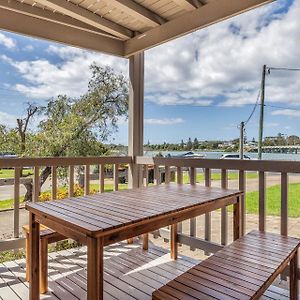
[(253, 110), (281, 107), (284, 69)]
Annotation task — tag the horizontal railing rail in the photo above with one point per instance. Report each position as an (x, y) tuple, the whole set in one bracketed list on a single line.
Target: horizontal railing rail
[(229, 164), (62, 161)]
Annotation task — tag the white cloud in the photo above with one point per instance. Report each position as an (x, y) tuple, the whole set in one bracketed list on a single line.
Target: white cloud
[(286, 112), (46, 79), (7, 119), (218, 65), (175, 99), (223, 62), (7, 41), (29, 48), (171, 121)]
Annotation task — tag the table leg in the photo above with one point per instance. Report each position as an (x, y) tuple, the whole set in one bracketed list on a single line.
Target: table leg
[(294, 277), (145, 241), (95, 268), (237, 219), (34, 241), (27, 253), (44, 266), (174, 244)]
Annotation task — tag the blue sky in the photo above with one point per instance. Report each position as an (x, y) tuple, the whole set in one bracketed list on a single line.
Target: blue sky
[(202, 85)]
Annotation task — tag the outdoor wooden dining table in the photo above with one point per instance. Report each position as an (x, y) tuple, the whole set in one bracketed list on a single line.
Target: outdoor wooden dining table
[(102, 219)]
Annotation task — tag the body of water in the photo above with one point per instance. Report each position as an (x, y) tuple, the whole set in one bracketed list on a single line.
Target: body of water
[(217, 155)]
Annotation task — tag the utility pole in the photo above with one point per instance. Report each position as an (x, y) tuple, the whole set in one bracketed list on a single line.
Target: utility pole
[(262, 107), (242, 130)]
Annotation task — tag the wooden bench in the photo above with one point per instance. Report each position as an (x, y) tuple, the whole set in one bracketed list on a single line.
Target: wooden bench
[(243, 270), (47, 236)]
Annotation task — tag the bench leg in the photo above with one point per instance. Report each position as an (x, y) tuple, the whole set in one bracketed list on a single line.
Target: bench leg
[(44, 266), (174, 244), (145, 241), (294, 277), (27, 254)]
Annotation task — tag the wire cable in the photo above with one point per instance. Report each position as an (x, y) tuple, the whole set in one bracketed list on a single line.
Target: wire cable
[(284, 69), (254, 108)]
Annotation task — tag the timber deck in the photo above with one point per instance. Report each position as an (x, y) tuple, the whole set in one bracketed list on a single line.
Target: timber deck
[(130, 273)]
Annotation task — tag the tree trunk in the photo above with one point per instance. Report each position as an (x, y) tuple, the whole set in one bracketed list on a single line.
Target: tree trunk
[(29, 186)]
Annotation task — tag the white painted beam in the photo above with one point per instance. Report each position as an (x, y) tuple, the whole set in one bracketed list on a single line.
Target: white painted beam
[(138, 11), (136, 117), (24, 24), (44, 14), (87, 17), (204, 16)]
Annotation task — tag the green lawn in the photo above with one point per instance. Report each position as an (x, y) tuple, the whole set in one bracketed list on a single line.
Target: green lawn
[(273, 201), (217, 176), (10, 173)]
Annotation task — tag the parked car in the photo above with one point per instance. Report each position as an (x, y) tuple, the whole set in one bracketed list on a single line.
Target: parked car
[(233, 156)]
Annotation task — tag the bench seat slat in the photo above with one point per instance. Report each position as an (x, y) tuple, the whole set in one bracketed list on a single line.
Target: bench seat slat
[(242, 270)]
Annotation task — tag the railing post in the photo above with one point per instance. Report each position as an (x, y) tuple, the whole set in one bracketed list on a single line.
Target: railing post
[(284, 204), (116, 177), (179, 181), (36, 184), (207, 234), (54, 182), (156, 175), (17, 202), (193, 221), (101, 178), (262, 201), (179, 175), (224, 212), (167, 175), (146, 175), (136, 118), (71, 181), (87, 180), (242, 199)]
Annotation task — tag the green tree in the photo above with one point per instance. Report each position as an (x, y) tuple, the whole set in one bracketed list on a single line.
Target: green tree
[(189, 144), (77, 127), (195, 144)]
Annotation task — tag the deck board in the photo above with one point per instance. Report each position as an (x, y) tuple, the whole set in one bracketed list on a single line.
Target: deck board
[(130, 273)]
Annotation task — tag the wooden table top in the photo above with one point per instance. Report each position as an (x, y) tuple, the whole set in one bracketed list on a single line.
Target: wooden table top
[(100, 213)]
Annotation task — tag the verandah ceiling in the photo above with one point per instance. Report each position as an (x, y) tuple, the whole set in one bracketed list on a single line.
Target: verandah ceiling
[(117, 27)]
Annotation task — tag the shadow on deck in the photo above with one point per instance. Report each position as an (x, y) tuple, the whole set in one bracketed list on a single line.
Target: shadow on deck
[(130, 273)]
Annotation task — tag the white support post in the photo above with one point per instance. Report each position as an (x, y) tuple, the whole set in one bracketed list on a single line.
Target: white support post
[(136, 117)]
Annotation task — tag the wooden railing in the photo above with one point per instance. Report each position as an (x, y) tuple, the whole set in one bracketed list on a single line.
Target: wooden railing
[(37, 164), (224, 166), (178, 165)]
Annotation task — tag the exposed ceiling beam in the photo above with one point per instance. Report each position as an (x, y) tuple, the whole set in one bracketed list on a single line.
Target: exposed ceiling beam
[(44, 14), (24, 24), (188, 5), (138, 11), (87, 17), (204, 16)]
